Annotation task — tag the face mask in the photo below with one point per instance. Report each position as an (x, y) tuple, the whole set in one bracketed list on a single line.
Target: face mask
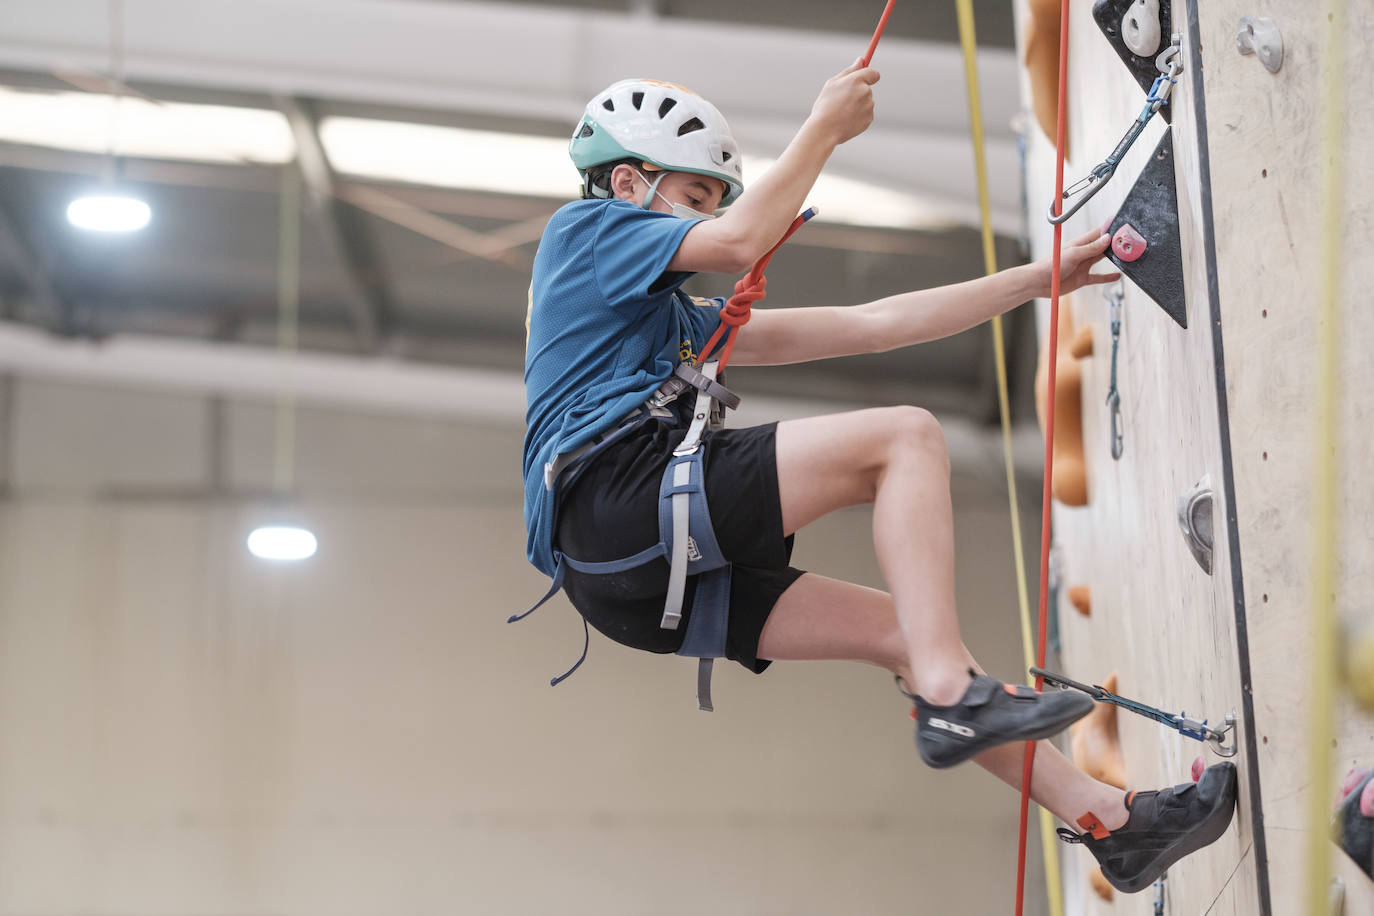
[(681, 211)]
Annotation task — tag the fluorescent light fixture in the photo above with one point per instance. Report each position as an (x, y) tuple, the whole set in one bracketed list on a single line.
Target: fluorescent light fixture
[(852, 202), (482, 160), (450, 157), (281, 543), (400, 151), (89, 122), (109, 214)]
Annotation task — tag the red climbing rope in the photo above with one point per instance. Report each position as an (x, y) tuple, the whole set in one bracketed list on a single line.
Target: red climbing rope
[(753, 286), (882, 24), (1060, 131)]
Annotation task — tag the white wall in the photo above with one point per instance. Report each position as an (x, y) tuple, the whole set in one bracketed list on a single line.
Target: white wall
[(188, 730)]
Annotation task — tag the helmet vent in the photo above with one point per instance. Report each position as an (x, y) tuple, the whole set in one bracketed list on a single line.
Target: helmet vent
[(666, 106), (586, 132), (725, 156), (636, 99), (608, 105), (689, 126)]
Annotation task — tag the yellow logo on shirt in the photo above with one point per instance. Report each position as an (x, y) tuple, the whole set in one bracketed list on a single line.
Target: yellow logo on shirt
[(687, 351)]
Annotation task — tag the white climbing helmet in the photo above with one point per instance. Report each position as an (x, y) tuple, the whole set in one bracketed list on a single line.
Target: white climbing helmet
[(662, 124)]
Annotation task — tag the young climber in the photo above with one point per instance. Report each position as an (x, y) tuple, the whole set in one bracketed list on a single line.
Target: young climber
[(608, 325)]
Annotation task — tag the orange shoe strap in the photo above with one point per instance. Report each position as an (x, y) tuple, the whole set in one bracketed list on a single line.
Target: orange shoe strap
[(1091, 824)]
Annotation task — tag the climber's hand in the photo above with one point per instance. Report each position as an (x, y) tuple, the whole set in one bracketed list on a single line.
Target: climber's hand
[(1076, 262)]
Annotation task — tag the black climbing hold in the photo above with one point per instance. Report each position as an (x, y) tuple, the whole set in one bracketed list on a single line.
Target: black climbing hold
[(1110, 14), (1151, 209)]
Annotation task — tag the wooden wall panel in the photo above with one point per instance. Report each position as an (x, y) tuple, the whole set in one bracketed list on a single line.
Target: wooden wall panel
[(1265, 133), (1247, 155)]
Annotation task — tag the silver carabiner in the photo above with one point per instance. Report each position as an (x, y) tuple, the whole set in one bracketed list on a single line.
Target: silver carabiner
[(1169, 64), (1118, 439), (1115, 296), (1096, 180)]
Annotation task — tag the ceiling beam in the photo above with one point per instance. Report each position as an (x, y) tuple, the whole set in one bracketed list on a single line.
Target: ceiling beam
[(386, 385), (372, 302), (34, 268)]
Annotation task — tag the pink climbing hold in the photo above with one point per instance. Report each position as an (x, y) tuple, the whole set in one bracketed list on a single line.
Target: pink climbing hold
[(1367, 799), (1128, 244), (1199, 765), (1352, 779)]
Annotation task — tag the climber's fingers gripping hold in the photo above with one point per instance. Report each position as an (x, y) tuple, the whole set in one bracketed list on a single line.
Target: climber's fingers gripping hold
[(1077, 259), (845, 104)]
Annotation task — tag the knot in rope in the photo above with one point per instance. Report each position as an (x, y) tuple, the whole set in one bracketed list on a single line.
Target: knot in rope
[(748, 290)]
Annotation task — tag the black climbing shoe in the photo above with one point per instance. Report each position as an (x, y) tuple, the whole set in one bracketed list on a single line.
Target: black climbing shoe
[(1162, 828), (991, 713), (1352, 830)]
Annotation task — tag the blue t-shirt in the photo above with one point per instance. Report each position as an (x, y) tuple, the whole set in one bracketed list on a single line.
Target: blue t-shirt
[(607, 325)]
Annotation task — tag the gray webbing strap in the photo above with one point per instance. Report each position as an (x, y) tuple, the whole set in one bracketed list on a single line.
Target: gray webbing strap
[(677, 559), (702, 381), (677, 569), (704, 685)]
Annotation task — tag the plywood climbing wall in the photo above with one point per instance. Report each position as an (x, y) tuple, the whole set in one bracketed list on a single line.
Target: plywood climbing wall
[(1229, 399)]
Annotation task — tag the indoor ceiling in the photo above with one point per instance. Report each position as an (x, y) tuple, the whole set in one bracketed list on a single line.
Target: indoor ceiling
[(435, 271)]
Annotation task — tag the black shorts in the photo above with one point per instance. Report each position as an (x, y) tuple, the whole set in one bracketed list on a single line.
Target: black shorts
[(611, 511)]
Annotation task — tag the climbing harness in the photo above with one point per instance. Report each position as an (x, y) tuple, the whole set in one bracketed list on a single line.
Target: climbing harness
[(686, 538), (1115, 295), (1170, 65), (1222, 740)]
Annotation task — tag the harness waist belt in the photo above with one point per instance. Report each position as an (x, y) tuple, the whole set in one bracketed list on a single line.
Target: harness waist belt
[(686, 535)]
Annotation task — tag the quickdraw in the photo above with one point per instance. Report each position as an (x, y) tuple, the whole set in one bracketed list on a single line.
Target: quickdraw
[(1170, 66), (1222, 740), (1115, 297)]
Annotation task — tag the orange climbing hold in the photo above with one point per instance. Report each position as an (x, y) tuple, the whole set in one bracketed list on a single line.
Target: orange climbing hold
[(1081, 597), (1082, 345), (1042, 64), (1070, 473), (1099, 884), (1096, 743)]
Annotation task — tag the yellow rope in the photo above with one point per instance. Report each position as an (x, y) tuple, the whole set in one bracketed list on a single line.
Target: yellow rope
[(1325, 473), (967, 38)]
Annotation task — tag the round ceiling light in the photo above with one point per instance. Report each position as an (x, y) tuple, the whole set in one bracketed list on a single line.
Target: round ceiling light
[(109, 214), (277, 542)]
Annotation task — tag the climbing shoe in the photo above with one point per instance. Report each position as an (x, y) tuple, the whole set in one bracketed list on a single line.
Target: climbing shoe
[(1351, 827), (991, 713), (1162, 828)]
